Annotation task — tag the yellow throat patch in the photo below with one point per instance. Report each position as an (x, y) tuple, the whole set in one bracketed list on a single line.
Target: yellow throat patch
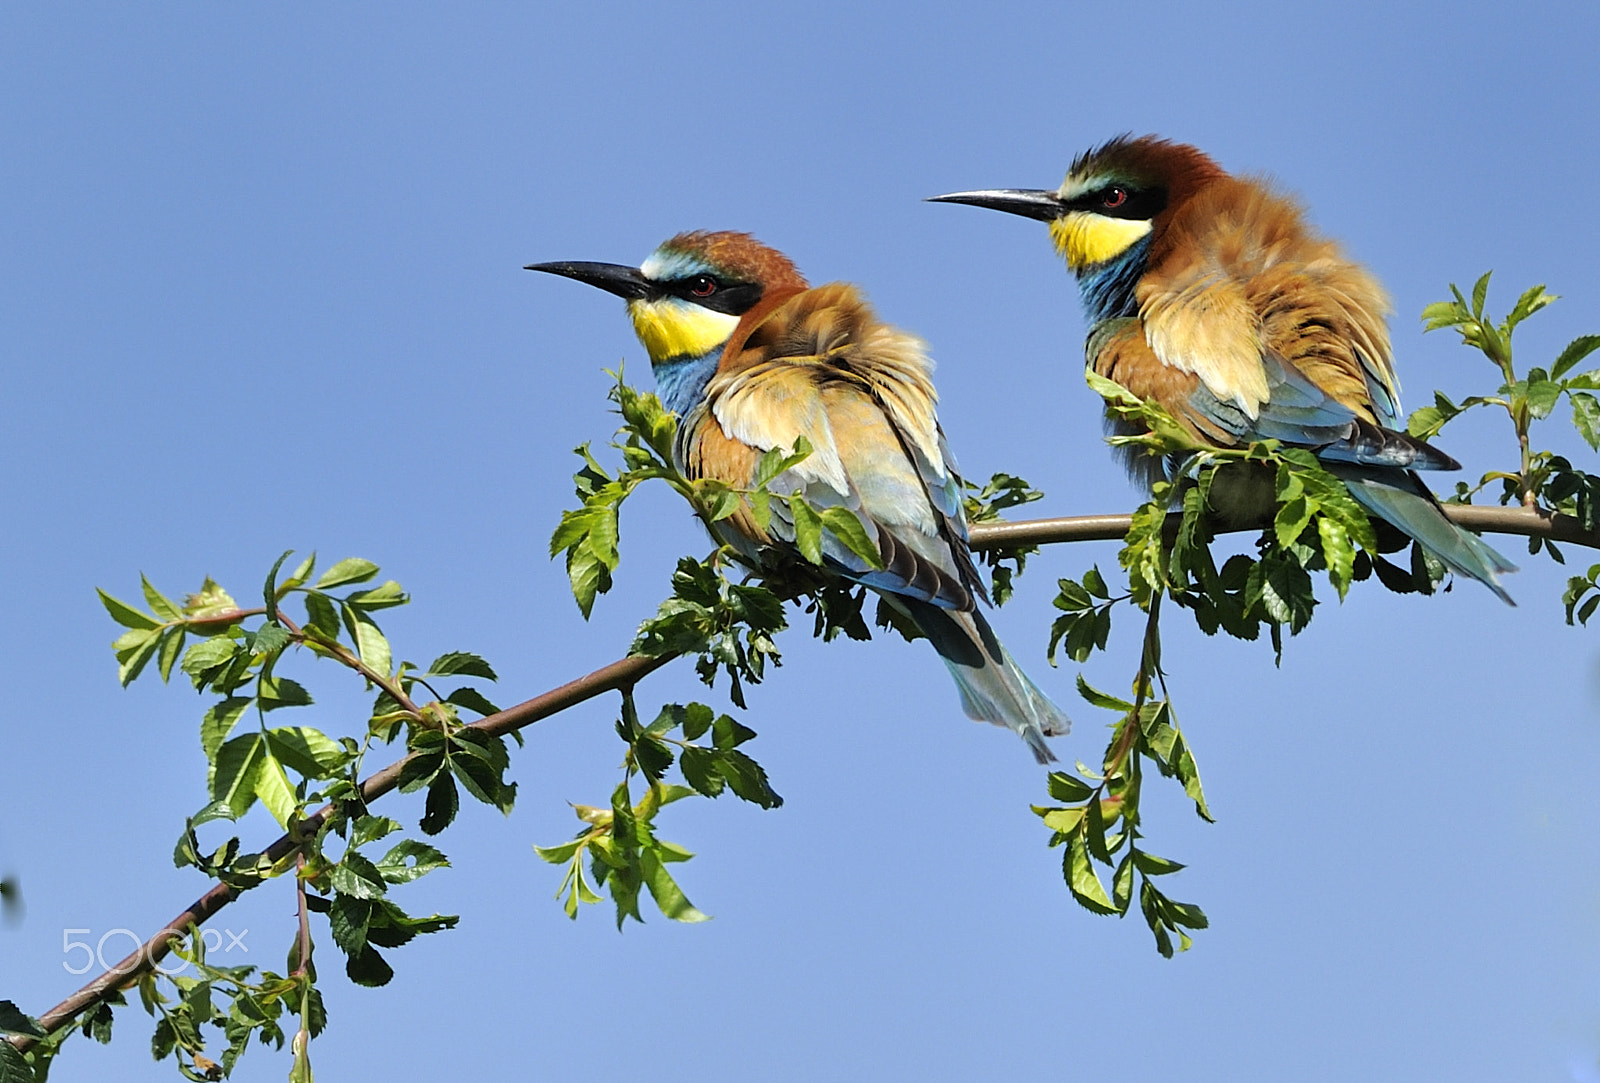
[(670, 328), (1086, 238)]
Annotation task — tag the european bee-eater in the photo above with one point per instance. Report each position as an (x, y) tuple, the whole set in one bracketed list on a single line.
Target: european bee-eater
[(750, 358), (1209, 295)]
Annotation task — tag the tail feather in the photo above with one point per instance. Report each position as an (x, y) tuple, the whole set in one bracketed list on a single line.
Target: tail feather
[(993, 687), (1403, 500)]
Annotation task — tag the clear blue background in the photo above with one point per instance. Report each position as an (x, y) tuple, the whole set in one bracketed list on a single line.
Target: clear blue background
[(262, 290)]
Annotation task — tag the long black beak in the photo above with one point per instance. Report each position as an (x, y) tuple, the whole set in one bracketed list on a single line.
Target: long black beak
[(626, 282), (1029, 202)]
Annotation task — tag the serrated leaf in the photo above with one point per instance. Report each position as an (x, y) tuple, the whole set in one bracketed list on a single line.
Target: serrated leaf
[(1083, 882), (172, 641), (409, 859), (848, 528), (233, 779), (218, 722), (807, 529), (1542, 397), (442, 804), (462, 663), (700, 770), (14, 1020), (1575, 351), (728, 733), (669, 898), (125, 614), (357, 876), (1101, 699), (134, 651), (1480, 292), (349, 570), (309, 751), (385, 596), (1068, 788), (278, 692), (472, 700), (348, 916), (272, 787), (1151, 865), (1586, 417), (371, 643)]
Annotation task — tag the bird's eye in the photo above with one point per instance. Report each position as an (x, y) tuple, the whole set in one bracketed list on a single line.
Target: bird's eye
[(1114, 197), (702, 285)]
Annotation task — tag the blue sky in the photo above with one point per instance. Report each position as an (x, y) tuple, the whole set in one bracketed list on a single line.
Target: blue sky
[(263, 291)]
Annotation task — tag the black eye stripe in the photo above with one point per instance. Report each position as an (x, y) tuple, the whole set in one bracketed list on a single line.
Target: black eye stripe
[(733, 298), (1138, 204)]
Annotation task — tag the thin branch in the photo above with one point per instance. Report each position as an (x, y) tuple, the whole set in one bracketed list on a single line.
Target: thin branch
[(625, 672), (1487, 519)]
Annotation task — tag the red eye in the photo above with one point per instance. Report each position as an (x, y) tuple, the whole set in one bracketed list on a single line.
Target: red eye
[(703, 286), (1114, 197)]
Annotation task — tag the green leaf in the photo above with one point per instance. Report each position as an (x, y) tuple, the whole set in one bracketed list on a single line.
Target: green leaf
[(441, 806), (370, 642), (462, 663), (218, 722), (1083, 882), (1338, 552), (159, 603), (125, 614), (697, 718), (1151, 865), (368, 968), (559, 855), (1542, 397), (14, 1066), (278, 692), (208, 654), (1101, 699), (238, 764), (409, 859), (807, 529), (669, 898), (727, 733), (321, 615), (386, 596), (357, 876), (700, 767), (1586, 417), (472, 700), (14, 1021), (1576, 350), (272, 786), (349, 570), (1480, 292), (844, 525), (371, 828), (172, 642), (747, 779), (1066, 788), (309, 751), (134, 649)]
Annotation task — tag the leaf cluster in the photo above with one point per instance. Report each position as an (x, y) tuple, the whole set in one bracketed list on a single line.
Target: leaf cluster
[(624, 854), (236, 655), (983, 505), (1545, 479), (1098, 820), (233, 1000)]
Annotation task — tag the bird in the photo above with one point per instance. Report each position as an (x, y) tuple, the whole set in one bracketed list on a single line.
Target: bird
[(750, 357), (1210, 295)]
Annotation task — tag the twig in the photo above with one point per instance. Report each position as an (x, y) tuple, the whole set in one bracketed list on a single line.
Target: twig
[(1488, 519), (625, 672)]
